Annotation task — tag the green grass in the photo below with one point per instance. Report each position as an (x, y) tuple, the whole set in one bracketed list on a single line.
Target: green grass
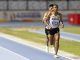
[(65, 45), (72, 29), (24, 34), (70, 46)]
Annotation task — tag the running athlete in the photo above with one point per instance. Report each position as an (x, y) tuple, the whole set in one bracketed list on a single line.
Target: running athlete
[(46, 22), (55, 20)]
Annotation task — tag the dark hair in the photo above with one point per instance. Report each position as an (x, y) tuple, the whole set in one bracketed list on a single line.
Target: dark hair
[(55, 5), (51, 5)]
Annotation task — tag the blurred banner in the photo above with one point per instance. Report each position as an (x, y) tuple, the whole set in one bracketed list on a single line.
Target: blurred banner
[(3, 17), (74, 18), (20, 16), (25, 16)]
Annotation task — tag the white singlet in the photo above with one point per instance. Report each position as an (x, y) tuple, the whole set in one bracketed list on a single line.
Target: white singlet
[(54, 21)]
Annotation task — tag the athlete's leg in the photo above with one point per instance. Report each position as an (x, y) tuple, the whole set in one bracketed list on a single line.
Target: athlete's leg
[(51, 39), (47, 37), (47, 42), (56, 46)]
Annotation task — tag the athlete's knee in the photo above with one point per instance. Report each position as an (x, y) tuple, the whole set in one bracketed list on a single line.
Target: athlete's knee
[(56, 41)]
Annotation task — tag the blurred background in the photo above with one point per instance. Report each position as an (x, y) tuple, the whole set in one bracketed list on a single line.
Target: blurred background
[(33, 10), (27, 16)]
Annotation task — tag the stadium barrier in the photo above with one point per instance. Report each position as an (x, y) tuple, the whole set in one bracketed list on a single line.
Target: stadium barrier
[(20, 16), (30, 16)]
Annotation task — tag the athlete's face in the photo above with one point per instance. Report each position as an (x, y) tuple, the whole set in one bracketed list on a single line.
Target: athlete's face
[(55, 9)]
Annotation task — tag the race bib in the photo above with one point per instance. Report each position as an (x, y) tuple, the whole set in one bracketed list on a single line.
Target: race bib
[(54, 23)]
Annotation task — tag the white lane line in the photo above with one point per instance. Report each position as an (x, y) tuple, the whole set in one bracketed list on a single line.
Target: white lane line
[(37, 46), (6, 54)]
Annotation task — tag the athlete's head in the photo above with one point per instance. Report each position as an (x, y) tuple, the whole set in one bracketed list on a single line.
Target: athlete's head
[(50, 6), (55, 8)]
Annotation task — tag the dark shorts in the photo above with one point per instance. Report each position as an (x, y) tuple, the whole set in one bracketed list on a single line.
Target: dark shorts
[(54, 31), (51, 31), (47, 31)]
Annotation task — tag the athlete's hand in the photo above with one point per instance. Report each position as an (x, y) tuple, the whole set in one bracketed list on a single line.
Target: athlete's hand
[(62, 25), (49, 27)]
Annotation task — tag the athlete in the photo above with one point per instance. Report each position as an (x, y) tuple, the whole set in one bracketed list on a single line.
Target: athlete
[(46, 22), (55, 20)]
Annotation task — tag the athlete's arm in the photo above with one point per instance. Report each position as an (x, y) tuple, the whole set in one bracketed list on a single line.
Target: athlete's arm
[(61, 21), (46, 18)]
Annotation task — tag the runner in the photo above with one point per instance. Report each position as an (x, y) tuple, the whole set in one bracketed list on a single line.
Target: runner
[(55, 20), (46, 22)]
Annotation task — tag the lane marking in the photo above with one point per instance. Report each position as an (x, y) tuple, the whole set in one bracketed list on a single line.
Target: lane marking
[(12, 53), (31, 44)]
